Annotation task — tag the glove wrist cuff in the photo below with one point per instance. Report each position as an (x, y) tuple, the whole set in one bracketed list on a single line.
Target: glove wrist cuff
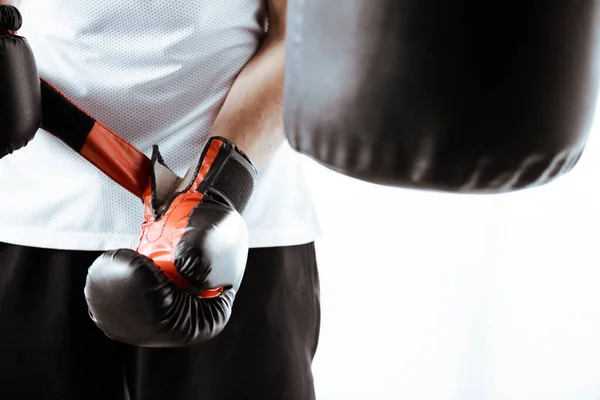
[(231, 175), (223, 172)]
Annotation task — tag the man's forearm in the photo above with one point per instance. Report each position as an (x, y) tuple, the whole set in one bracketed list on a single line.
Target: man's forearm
[(251, 116)]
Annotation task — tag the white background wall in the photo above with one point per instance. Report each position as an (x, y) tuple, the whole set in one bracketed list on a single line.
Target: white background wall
[(456, 297)]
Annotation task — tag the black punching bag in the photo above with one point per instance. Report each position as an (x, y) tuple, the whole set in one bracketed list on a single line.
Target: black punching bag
[(460, 96)]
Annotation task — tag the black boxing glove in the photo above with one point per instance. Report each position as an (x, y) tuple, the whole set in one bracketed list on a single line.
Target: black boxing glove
[(20, 98), (178, 288)]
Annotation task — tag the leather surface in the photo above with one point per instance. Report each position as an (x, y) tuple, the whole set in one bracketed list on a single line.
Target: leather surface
[(178, 287), (132, 301), (459, 96), (20, 98)]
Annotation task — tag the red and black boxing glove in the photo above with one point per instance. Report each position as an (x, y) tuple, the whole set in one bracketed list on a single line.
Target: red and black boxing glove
[(178, 288), (20, 95)]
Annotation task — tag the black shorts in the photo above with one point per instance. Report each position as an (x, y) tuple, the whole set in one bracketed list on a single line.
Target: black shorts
[(51, 350)]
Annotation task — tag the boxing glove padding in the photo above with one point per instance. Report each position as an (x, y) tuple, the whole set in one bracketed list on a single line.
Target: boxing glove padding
[(20, 95), (133, 301), (204, 257), (178, 287), (11, 19)]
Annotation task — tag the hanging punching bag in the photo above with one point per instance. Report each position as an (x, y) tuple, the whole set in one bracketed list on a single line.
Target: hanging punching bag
[(451, 95)]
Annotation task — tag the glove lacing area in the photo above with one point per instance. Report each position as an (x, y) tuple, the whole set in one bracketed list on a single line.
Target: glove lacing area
[(223, 174)]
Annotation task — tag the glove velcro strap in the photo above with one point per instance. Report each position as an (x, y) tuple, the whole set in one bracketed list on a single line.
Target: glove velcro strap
[(231, 175), (106, 150)]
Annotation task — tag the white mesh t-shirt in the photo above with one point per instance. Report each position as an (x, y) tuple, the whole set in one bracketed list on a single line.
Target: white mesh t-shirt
[(154, 72)]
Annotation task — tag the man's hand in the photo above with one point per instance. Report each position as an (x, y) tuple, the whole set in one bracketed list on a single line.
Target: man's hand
[(252, 115)]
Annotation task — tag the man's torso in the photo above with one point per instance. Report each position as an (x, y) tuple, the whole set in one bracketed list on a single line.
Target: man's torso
[(155, 73)]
